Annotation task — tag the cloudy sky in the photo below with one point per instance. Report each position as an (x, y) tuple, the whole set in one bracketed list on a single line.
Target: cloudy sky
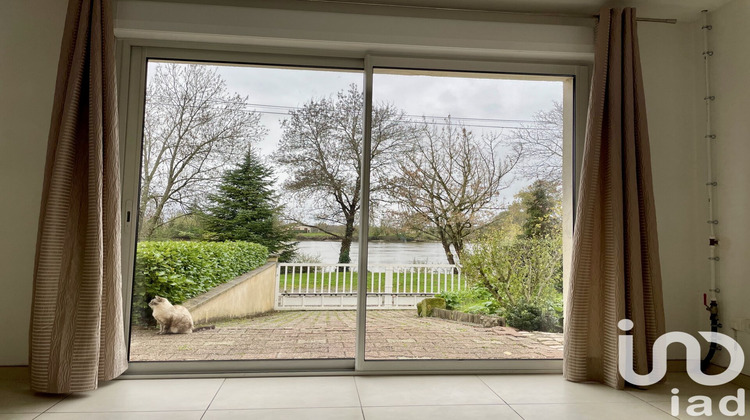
[(275, 91), (481, 103)]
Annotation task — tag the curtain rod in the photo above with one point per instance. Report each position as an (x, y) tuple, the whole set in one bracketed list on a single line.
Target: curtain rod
[(459, 9)]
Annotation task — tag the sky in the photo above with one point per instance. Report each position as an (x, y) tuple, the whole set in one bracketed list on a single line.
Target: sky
[(482, 103), (277, 90)]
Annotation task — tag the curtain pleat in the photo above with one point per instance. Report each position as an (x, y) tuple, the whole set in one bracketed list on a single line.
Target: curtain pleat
[(76, 336), (615, 271)]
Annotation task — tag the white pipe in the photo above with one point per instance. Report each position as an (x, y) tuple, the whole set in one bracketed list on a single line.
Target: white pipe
[(709, 138)]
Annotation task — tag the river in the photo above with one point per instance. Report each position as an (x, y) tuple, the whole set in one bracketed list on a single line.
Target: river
[(379, 252)]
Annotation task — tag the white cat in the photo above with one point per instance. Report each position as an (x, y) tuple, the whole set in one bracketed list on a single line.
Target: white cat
[(173, 319)]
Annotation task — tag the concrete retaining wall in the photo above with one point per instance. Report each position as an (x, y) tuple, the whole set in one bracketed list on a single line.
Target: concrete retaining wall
[(483, 320), (249, 294)]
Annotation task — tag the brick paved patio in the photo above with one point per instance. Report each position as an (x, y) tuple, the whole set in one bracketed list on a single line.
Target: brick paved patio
[(391, 334)]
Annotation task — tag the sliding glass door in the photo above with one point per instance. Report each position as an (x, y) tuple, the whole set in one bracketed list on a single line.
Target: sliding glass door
[(465, 227), (247, 213), (340, 214)]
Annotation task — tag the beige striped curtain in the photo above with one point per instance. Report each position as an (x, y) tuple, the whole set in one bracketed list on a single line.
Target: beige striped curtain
[(615, 265), (77, 336)]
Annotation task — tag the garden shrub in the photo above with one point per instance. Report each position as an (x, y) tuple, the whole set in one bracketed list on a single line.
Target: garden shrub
[(474, 300), (524, 316), (531, 317), (179, 271), (485, 307), (522, 274), (452, 299)]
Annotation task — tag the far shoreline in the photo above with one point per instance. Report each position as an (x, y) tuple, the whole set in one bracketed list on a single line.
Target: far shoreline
[(375, 239)]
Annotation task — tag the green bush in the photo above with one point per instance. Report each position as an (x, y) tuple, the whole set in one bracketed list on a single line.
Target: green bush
[(523, 275), (452, 299), (183, 227), (474, 300), (486, 307), (181, 270), (524, 316), (532, 317)]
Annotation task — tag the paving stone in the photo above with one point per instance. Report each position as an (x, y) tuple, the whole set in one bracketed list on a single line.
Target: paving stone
[(391, 334)]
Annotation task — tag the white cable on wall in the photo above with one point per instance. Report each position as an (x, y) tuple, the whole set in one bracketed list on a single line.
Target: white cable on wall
[(710, 137)]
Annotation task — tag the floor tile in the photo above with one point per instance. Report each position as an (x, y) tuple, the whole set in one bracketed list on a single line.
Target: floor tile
[(591, 411), (16, 397), (131, 415), (423, 390), (144, 395), (248, 393), (347, 413), (18, 416), (449, 412), (553, 389)]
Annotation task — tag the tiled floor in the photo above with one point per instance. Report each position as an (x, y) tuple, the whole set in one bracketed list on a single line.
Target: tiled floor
[(496, 397), (391, 334)]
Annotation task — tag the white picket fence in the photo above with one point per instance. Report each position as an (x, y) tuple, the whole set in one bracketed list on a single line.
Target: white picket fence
[(313, 286)]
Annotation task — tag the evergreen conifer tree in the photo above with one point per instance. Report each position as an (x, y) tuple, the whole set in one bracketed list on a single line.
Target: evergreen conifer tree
[(539, 203), (245, 208)]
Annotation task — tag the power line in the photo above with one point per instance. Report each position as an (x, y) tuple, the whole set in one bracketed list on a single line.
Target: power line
[(451, 117), (423, 119), (515, 127), (296, 108)]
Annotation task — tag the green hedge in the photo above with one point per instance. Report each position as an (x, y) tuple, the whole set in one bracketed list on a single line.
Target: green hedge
[(181, 270)]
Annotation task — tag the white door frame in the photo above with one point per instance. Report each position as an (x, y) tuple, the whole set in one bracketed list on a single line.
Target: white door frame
[(575, 85), (133, 57)]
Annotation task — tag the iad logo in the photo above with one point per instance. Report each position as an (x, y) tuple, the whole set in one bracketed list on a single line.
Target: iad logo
[(702, 406), (693, 357)]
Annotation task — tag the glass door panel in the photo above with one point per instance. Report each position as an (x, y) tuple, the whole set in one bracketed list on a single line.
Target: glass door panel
[(248, 213), (465, 229)]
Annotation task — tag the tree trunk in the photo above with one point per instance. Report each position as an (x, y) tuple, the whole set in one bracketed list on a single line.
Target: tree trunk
[(153, 221), (145, 195), (346, 242), (458, 245), (489, 286), (447, 249), (145, 192)]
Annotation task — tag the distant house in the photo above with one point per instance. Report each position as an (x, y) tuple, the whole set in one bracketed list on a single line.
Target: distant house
[(301, 229)]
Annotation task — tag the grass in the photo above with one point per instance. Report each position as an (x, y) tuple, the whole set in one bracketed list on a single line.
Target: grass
[(346, 281)]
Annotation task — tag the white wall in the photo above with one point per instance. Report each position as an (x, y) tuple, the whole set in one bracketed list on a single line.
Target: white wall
[(29, 45), (730, 77), (566, 39), (669, 73), (674, 78), (30, 36)]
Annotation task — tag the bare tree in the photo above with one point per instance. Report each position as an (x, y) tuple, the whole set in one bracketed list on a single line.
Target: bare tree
[(321, 149), (542, 144), (193, 127), (449, 182)]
